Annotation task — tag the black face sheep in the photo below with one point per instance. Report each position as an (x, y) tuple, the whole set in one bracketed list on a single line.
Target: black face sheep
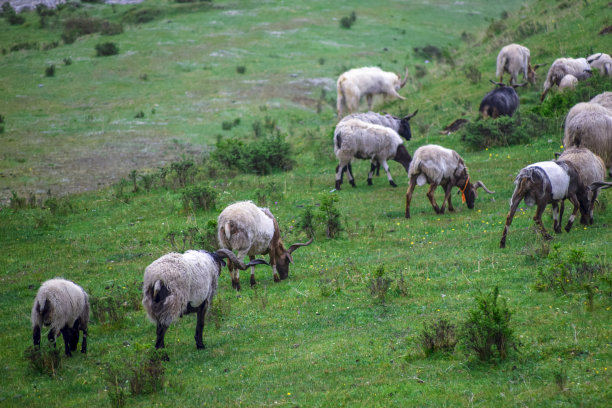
[(591, 171), (63, 306), (502, 100), (543, 183), (368, 81), (178, 284), (400, 125), (602, 62), (251, 231), (590, 125), (516, 59), (357, 139), (578, 67), (439, 166)]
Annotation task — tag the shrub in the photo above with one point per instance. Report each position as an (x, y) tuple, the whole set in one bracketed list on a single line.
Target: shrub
[(438, 336), (380, 284), (112, 307), (503, 131), (24, 45), (108, 28), (183, 171), (139, 115), (1, 124), (138, 15), (348, 21), (199, 197), (106, 49), (207, 236), (10, 15), (488, 325), (330, 215), (472, 73), (148, 180), (45, 359), (241, 69), (305, 221), (50, 70)]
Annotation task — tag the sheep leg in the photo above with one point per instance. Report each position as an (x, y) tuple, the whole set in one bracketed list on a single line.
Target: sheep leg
[(84, 342), (200, 325), (273, 264), (350, 174), (413, 182), (67, 335), (370, 99), (74, 339), (432, 199), (342, 167), (252, 258), (161, 333), (373, 165), (570, 222), (51, 336), (538, 220), (36, 335), (447, 198), (556, 218), (515, 201), (386, 168)]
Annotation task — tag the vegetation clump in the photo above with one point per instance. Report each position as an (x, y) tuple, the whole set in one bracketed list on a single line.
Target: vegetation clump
[(348, 21), (45, 359), (10, 15), (438, 336), (264, 156), (199, 197), (106, 49)]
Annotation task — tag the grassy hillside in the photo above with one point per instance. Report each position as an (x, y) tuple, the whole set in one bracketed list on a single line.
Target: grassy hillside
[(323, 337)]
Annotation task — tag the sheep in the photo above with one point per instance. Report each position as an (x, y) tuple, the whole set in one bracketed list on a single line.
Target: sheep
[(590, 125), (591, 169), (543, 183), (568, 82), (602, 62), (357, 139), (603, 99), (436, 166), (516, 59), (400, 125), (578, 67), (251, 231), (502, 100), (368, 81), (64, 306), (178, 284)]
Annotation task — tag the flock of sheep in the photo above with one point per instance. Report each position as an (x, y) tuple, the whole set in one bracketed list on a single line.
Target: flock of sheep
[(178, 284)]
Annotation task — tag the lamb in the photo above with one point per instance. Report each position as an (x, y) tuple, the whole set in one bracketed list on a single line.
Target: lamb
[(516, 59), (64, 306), (357, 139), (578, 67), (568, 82), (178, 284), (251, 231), (502, 100), (436, 166), (590, 125), (368, 81), (548, 182), (602, 62), (591, 169), (400, 125)]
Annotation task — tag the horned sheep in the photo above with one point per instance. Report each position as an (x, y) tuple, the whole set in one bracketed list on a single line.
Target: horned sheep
[(543, 183), (578, 67), (515, 59), (501, 101), (358, 139), (64, 307), (602, 62), (368, 81), (178, 284), (439, 166), (251, 230), (590, 125)]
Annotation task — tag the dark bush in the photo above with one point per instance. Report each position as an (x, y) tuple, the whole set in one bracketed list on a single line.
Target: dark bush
[(24, 46), (140, 15), (348, 21), (330, 215), (380, 284), (202, 197), (108, 28), (106, 49), (241, 69), (50, 70), (488, 326), (503, 131), (183, 171), (438, 336), (10, 15)]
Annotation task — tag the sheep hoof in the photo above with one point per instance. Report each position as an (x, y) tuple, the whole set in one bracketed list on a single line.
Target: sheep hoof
[(352, 183), (253, 283), (567, 228), (369, 182), (392, 183), (236, 285), (547, 237), (199, 347), (277, 278)]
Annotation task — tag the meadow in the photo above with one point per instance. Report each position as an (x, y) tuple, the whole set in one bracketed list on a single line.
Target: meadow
[(346, 328)]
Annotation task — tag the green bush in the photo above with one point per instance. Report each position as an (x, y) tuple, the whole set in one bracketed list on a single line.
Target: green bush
[(503, 131), (50, 70), (348, 21), (241, 69), (202, 197), (138, 15), (330, 215), (10, 15), (106, 49), (488, 326), (380, 284), (183, 170), (438, 336)]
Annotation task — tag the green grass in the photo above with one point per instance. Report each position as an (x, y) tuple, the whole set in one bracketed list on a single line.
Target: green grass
[(318, 338)]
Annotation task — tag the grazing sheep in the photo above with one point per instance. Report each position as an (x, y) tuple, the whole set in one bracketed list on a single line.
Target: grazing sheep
[(502, 100), (602, 62), (439, 166), (578, 67), (64, 306), (591, 169), (368, 81), (568, 82), (603, 99), (178, 284), (543, 183), (590, 125), (400, 125), (357, 139), (251, 231), (516, 59)]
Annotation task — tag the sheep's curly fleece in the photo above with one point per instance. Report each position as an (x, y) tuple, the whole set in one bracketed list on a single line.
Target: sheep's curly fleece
[(68, 302)]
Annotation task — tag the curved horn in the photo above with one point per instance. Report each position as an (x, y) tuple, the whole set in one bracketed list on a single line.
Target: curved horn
[(297, 245), (519, 85), (405, 79), (410, 116), (536, 66), (481, 184), (226, 253), (497, 83), (600, 185)]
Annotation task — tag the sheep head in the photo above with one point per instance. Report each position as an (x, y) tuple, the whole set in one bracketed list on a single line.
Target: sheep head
[(403, 157), (283, 257), (531, 73), (404, 127), (468, 191)]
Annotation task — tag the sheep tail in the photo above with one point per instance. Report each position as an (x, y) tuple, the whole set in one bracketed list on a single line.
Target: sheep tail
[(157, 287), (228, 230), (501, 63)]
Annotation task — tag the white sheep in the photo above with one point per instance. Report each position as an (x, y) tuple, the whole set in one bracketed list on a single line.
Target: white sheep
[(578, 67), (178, 284), (603, 99), (251, 230), (358, 139), (64, 307), (515, 59), (602, 62), (439, 166), (590, 125), (368, 81), (568, 82)]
